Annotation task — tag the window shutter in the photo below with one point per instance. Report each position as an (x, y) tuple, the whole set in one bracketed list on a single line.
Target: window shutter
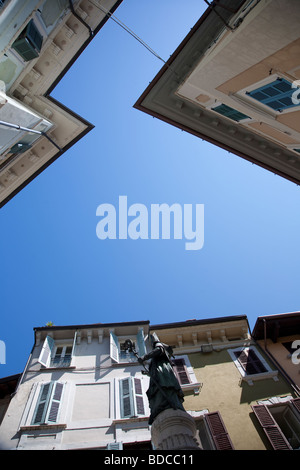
[(42, 404), (181, 371), (250, 362), (218, 431), (141, 342), (115, 446), (138, 395), (114, 347), (55, 402), (127, 408), (271, 428), (47, 348), (296, 403)]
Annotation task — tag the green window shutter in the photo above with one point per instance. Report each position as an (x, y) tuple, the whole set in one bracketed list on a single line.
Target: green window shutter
[(48, 404), (47, 348), (42, 404), (126, 398), (271, 428), (114, 347), (29, 43), (141, 342)]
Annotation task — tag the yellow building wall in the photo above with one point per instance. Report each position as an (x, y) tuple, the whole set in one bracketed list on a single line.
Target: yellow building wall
[(224, 391)]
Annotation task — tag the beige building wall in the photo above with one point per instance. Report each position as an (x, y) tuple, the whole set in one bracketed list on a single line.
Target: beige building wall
[(223, 391)]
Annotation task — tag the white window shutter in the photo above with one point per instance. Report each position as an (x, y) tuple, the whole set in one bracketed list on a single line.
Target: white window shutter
[(114, 347), (55, 402), (141, 342), (47, 348), (138, 397)]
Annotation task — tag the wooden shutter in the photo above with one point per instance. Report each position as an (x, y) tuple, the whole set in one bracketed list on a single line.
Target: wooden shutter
[(141, 342), (250, 362), (55, 403), (218, 431), (181, 371), (42, 404), (296, 403), (138, 397), (126, 398), (47, 348), (271, 428), (114, 347)]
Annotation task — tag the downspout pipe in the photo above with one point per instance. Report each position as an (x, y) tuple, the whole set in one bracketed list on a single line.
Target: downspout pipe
[(283, 372), (80, 19), (33, 131)]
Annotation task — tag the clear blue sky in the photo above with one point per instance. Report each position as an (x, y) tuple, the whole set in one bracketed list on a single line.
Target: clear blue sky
[(53, 266)]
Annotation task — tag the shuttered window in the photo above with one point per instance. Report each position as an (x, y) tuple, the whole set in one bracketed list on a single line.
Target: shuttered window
[(131, 397), (271, 428), (55, 355), (181, 371), (250, 362), (117, 352), (48, 403), (277, 95), (230, 113), (218, 431)]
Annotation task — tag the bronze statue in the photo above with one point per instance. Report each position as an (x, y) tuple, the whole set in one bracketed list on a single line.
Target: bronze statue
[(164, 390)]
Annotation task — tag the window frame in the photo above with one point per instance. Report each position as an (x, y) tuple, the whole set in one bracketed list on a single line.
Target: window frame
[(271, 428), (49, 349), (276, 80), (115, 352), (189, 370), (132, 396), (249, 378)]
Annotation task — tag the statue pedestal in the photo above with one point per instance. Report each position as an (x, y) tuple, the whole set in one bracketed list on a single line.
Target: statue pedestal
[(174, 430)]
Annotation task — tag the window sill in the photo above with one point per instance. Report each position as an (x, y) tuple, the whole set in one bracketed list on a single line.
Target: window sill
[(38, 427), (57, 368), (264, 375), (196, 387)]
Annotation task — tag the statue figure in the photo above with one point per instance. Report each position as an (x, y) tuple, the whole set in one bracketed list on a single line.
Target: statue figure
[(164, 390)]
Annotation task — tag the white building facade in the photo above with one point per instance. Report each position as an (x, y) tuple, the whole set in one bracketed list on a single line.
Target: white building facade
[(81, 389)]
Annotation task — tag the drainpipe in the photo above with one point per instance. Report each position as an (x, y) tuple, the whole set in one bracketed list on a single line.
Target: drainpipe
[(283, 372), (80, 19)]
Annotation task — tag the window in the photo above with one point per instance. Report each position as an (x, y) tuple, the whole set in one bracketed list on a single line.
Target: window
[(281, 424), (120, 353), (229, 112), (48, 404), (185, 374), (251, 364), (29, 43), (131, 397), (277, 95), (213, 433), (57, 354)]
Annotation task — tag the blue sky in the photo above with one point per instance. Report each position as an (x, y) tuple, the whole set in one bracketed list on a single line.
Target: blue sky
[(53, 266)]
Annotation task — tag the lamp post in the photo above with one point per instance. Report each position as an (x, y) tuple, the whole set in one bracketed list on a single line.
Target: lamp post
[(172, 428)]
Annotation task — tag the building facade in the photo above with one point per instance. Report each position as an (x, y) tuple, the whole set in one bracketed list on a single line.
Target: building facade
[(235, 82), (39, 41), (83, 388), (235, 381)]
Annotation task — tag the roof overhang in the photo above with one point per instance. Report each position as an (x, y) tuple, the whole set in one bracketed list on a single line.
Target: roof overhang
[(162, 98)]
